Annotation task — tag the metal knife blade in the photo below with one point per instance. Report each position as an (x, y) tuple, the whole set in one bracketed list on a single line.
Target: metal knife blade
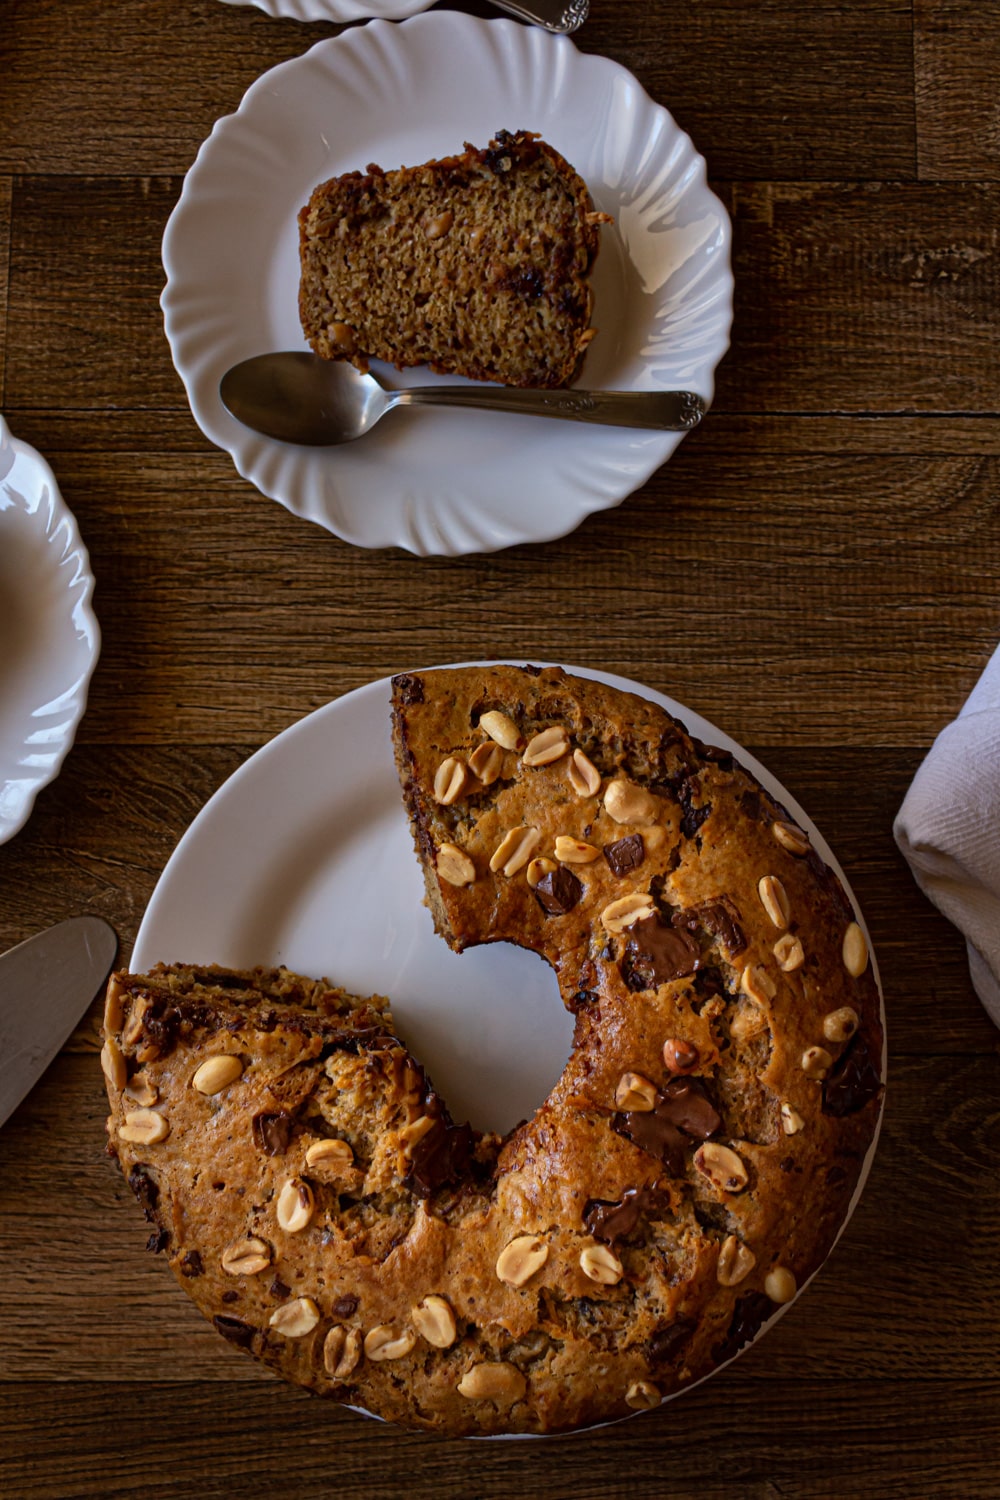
[(46, 985)]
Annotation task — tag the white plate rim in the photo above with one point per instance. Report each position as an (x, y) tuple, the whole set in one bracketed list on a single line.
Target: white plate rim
[(145, 950), (337, 10), (48, 742), (440, 482)]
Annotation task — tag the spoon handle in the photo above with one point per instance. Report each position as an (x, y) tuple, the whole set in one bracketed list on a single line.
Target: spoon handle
[(664, 411), (554, 15)]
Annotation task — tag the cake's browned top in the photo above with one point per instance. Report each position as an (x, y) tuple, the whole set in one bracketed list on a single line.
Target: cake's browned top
[(475, 265), (689, 1170)]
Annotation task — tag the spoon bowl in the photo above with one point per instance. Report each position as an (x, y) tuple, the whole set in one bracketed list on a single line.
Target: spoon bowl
[(297, 397)]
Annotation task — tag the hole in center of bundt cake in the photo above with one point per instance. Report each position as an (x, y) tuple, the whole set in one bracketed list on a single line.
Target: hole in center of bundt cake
[(490, 1029)]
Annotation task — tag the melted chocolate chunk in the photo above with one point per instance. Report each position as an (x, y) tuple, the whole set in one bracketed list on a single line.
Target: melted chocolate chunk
[(230, 1296), (558, 892), (234, 1329), (345, 1307), (749, 1315), (158, 1240), (616, 1221), (752, 805), (852, 1082), (693, 818), (653, 1132), (666, 1343), (685, 1104), (409, 689), (145, 1189), (191, 1264), (279, 1290), (440, 1157), (656, 953), (720, 918), (625, 854), (273, 1133)]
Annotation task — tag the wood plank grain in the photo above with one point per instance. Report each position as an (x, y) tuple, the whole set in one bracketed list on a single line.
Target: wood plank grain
[(775, 571), (5, 194), (957, 76), (761, 87), (866, 298), (74, 1273), (870, 297), (797, 1437)]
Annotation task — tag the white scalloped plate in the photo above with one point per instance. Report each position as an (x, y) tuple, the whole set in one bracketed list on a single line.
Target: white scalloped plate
[(448, 482), (337, 10), (48, 630), (304, 857)]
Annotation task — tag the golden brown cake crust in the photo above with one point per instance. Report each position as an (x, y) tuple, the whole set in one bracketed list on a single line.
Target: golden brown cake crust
[(688, 1172), (474, 265)]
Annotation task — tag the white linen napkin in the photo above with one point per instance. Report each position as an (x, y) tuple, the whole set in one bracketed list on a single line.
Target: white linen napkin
[(948, 828)]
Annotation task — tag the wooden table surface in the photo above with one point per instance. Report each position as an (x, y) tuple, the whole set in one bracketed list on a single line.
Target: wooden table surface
[(816, 570)]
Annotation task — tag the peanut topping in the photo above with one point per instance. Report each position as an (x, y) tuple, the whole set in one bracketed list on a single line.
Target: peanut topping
[(626, 911), (500, 727), (584, 777), (141, 1091), (736, 1261), (137, 1015), (840, 1025), (295, 1319), (599, 1263), (679, 1056), (788, 951), (779, 1284), (791, 837), (217, 1073), (791, 1121), (112, 1008), (538, 868), (414, 1132), (642, 1395), (722, 1167), (749, 1021), (758, 984), (635, 1092), (333, 1155), (389, 1342), (486, 762), (774, 899), (246, 1257), (341, 1352), (518, 1261), (498, 1382), (439, 224), (434, 1320), (816, 1062), (628, 803), (113, 1064), (570, 851), (144, 1127), (454, 866), (342, 334), (515, 849), (855, 951), (449, 781), (295, 1206), (542, 749)]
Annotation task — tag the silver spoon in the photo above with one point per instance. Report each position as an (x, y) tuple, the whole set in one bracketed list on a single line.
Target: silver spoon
[(553, 15), (300, 398)]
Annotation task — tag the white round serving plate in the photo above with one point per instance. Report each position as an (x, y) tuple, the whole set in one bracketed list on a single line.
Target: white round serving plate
[(304, 857), (48, 631), (337, 10), (447, 482)]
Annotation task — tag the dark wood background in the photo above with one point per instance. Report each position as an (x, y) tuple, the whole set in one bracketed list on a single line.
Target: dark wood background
[(816, 570)]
